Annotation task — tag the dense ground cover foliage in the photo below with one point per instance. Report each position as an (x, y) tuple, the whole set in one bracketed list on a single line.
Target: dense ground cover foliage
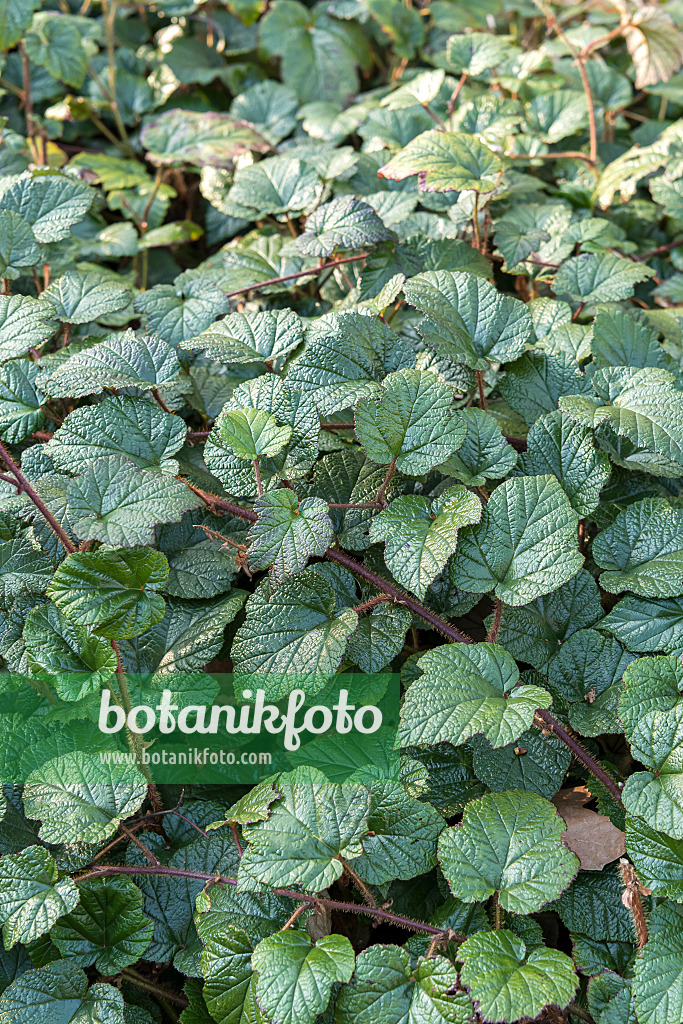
[(345, 337)]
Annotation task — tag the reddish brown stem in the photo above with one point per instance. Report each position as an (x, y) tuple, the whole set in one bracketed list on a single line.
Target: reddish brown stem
[(367, 606), (159, 400), (312, 272), (57, 529), (337, 426), (385, 483), (580, 754), (495, 625), (480, 386)]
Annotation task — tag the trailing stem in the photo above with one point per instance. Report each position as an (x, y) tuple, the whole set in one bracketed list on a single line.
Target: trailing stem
[(56, 527), (311, 272), (108, 870)]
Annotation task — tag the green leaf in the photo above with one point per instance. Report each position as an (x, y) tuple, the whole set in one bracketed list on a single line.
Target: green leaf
[(50, 202), (179, 137), (310, 830), (379, 637), (386, 988), (133, 427), (467, 320), (33, 895), (294, 978), (646, 626), (525, 545), (554, 115), (18, 247), (69, 656), (599, 277), (643, 550), (297, 631), (485, 454), (558, 446), (20, 400), (280, 184), (506, 984), (520, 232), (592, 905), (118, 504), (587, 671), (402, 24), (229, 989), (60, 992), (269, 106), (23, 568), (465, 690), (250, 433), (532, 762), (54, 43), (79, 799), (23, 322), (113, 591), (403, 836), (638, 420), (658, 982), (107, 928), (535, 383), (288, 532), (476, 52), (446, 161), (79, 298), (15, 18), (657, 858), (410, 424), (346, 354), (179, 313), (319, 54), (344, 223), (509, 843), (620, 340), (250, 337), (421, 535)]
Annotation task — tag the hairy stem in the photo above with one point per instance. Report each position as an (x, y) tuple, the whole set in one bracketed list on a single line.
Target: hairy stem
[(108, 870), (385, 483), (580, 754), (57, 529), (483, 404), (631, 899), (495, 625)]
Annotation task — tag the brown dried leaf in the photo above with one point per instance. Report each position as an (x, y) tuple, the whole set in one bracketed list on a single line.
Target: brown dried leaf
[(591, 836)]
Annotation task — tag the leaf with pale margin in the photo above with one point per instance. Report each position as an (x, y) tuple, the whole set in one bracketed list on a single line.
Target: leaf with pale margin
[(346, 356), (296, 634), (32, 896), (79, 799), (186, 136), (118, 504), (294, 977), (525, 545), (385, 987), (51, 202), (446, 161), (288, 532), (79, 298), (638, 416), (643, 550), (69, 656), (509, 843), (420, 535), (133, 427), (654, 43), (505, 983), (559, 446), (310, 830), (467, 689), (122, 360), (467, 320), (115, 592), (250, 337), (410, 424), (60, 992), (107, 928), (344, 223), (23, 322)]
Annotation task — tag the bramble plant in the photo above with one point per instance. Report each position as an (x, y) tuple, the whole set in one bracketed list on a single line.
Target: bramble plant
[(344, 337)]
